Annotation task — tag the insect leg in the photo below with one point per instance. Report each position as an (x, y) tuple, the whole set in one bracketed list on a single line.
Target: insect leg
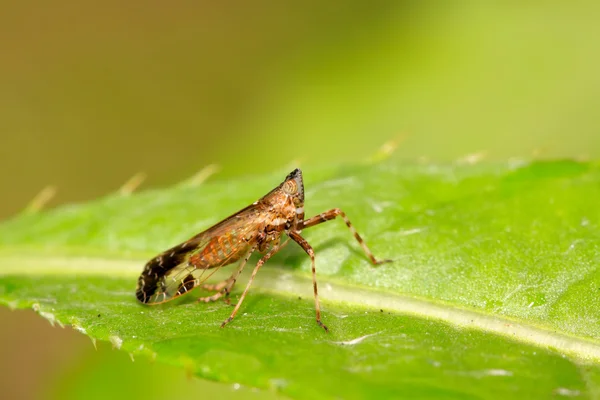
[(217, 287), (214, 297), (295, 236), (331, 214), (259, 264), (224, 288)]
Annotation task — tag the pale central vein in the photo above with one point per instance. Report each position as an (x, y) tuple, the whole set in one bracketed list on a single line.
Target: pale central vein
[(284, 282)]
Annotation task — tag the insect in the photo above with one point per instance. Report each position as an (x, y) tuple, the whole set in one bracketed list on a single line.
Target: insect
[(258, 227)]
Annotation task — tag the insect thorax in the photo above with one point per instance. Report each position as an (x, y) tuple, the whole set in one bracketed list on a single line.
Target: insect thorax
[(281, 215)]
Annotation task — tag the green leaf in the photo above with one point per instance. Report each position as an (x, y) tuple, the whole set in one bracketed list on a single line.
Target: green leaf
[(492, 292)]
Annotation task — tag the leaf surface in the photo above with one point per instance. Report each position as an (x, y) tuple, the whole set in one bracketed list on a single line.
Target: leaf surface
[(492, 290)]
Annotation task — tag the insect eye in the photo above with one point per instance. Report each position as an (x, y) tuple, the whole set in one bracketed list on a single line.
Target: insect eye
[(290, 187)]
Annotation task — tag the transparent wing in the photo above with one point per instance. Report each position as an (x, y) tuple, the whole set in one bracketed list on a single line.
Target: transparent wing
[(180, 269)]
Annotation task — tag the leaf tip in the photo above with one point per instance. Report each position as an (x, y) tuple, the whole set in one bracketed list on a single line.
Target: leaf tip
[(79, 328), (47, 315), (116, 341), (201, 176), (41, 200), (387, 149), (132, 184)]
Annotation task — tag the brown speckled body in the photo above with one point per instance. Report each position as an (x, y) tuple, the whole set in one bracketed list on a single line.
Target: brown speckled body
[(258, 227)]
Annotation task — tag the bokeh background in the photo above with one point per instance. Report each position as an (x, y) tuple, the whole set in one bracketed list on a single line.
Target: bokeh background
[(93, 92)]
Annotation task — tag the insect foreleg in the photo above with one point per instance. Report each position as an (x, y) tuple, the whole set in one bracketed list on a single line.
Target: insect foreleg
[(295, 236), (259, 264), (331, 214)]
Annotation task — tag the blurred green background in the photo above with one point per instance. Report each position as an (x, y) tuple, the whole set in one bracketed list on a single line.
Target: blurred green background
[(92, 93)]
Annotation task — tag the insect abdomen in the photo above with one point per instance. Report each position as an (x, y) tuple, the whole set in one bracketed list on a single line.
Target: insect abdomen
[(221, 250), (155, 270)]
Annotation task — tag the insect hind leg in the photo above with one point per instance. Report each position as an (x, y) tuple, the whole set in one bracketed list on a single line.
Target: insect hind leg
[(259, 264), (225, 287), (217, 287), (212, 298), (332, 214)]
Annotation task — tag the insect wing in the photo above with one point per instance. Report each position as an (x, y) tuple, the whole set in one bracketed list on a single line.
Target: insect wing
[(183, 267)]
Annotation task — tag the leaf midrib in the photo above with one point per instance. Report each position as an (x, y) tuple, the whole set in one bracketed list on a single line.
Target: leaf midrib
[(284, 282)]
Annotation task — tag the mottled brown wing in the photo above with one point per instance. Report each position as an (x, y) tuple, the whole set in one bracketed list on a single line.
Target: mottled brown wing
[(179, 269)]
